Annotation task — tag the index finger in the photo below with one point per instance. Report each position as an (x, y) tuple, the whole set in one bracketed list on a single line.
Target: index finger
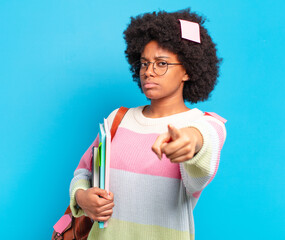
[(174, 132)]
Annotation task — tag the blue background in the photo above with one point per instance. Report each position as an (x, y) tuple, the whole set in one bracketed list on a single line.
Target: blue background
[(59, 58)]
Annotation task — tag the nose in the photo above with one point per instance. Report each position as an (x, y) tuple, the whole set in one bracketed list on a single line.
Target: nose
[(150, 70)]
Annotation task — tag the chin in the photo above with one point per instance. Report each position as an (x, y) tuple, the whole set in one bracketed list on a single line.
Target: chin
[(152, 98), (150, 94)]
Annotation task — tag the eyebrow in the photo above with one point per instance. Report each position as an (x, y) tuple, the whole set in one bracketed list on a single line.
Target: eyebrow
[(158, 57)]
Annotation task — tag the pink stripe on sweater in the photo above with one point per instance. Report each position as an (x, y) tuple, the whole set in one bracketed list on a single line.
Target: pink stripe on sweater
[(86, 159), (197, 194), (132, 152), (216, 116)]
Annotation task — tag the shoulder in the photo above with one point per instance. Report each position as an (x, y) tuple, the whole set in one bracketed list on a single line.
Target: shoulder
[(208, 115), (130, 112), (216, 116), (216, 121), (111, 116)]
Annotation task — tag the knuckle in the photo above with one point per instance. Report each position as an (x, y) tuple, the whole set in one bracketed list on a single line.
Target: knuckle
[(96, 211), (96, 203), (154, 148), (188, 148), (165, 150), (95, 218), (187, 140), (189, 155)]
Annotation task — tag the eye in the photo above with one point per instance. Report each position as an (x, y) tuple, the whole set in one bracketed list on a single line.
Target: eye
[(143, 64), (161, 64)]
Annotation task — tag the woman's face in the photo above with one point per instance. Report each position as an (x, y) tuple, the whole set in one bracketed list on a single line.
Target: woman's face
[(168, 86)]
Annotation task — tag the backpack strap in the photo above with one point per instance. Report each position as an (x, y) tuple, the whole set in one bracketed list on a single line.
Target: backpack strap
[(117, 120)]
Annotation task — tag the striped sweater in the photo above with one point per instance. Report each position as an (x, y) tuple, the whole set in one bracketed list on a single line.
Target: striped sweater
[(153, 199)]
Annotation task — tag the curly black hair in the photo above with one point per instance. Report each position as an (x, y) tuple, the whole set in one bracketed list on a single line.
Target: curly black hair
[(199, 59)]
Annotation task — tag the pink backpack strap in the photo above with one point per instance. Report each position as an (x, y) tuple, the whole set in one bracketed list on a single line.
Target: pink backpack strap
[(63, 223)]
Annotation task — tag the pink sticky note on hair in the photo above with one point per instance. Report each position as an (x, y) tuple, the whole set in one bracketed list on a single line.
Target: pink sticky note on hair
[(62, 223), (190, 31)]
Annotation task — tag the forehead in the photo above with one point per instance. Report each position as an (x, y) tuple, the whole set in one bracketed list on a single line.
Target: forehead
[(153, 50)]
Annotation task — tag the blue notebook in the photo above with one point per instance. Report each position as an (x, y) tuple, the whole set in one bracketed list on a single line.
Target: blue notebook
[(102, 160)]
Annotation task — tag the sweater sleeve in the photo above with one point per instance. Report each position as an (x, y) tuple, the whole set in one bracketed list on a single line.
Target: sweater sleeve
[(82, 174), (81, 178), (199, 171)]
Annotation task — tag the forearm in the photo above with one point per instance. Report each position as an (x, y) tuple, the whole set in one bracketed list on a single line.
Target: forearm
[(79, 197), (198, 171), (81, 181)]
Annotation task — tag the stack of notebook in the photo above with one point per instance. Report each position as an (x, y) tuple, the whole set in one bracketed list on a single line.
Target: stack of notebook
[(101, 161)]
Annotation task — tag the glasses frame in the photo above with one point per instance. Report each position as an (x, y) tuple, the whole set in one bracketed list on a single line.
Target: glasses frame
[(137, 67)]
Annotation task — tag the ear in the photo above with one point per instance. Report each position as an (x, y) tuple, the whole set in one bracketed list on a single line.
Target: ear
[(185, 77)]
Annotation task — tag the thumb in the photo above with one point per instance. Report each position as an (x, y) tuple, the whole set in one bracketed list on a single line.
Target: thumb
[(102, 193), (173, 132)]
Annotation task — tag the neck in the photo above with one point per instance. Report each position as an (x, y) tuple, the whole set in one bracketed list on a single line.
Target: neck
[(162, 108)]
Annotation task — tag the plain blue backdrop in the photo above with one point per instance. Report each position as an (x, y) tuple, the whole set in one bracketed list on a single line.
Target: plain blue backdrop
[(59, 58)]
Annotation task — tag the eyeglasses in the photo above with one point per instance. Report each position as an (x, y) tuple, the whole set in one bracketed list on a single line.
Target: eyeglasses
[(160, 67)]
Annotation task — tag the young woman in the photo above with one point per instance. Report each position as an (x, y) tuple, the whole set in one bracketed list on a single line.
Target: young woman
[(163, 154)]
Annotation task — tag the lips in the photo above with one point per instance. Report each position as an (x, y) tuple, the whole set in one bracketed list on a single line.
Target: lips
[(148, 85)]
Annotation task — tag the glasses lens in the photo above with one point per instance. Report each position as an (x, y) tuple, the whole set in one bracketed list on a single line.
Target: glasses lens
[(160, 67), (143, 66)]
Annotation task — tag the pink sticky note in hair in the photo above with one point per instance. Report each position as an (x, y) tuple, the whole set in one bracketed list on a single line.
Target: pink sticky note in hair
[(190, 31), (62, 223)]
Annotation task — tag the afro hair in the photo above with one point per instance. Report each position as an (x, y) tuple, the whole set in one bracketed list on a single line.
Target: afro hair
[(199, 59)]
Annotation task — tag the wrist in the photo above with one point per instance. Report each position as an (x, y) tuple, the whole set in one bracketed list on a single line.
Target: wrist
[(78, 196), (199, 139)]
